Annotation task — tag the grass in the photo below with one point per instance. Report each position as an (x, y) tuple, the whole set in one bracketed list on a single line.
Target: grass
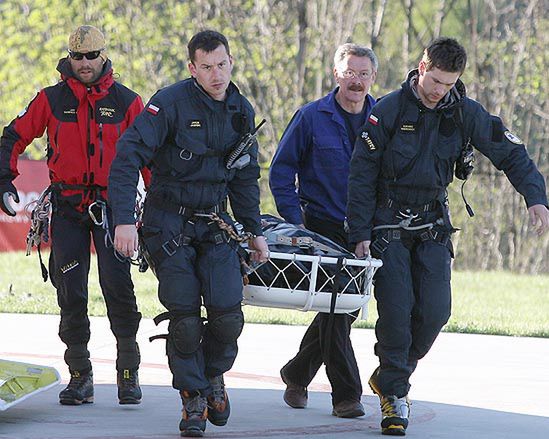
[(483, 302)]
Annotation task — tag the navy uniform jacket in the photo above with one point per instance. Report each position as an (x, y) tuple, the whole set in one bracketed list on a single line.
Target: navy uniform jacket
[(407, 153), (184, 136), (316, 148)]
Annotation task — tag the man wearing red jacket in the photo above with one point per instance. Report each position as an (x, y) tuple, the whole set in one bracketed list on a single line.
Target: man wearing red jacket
[(84, 115)]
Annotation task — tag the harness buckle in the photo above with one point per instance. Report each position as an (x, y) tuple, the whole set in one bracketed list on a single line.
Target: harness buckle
[(167, 247)]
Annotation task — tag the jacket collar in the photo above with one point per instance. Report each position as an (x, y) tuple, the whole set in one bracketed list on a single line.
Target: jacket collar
[(328, 102), (452, 99), (100, 87)]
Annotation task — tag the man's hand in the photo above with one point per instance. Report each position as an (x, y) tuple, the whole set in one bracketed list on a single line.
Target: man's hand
[(260, 247), (539, 218), (362, 249), (8, 190), (125, 239)]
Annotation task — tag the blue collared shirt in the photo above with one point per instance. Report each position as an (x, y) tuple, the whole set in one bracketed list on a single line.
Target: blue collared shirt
[(317, 150)]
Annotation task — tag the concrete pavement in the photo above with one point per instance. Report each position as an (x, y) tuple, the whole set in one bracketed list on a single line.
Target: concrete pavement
[(468, 387)]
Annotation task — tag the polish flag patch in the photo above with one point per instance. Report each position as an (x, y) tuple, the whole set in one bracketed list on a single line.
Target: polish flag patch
[(373, 120), (153, 109)]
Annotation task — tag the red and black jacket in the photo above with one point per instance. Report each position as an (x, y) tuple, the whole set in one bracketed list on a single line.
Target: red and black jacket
[(83, 124)]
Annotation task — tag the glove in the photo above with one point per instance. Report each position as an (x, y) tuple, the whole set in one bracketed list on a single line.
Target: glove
[(8, 190)]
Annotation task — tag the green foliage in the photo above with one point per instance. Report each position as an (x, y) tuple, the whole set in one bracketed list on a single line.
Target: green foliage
[(283, 54)]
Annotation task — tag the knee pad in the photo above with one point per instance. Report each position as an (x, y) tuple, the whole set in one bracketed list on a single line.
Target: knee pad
[(226, 327), (185, 334)]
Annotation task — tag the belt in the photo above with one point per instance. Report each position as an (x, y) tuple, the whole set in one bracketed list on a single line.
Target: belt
[(421, 208), (170, 206)]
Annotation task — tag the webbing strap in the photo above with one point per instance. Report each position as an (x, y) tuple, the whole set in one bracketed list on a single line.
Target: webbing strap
[(330, 327), (296, 241), (185, 211)]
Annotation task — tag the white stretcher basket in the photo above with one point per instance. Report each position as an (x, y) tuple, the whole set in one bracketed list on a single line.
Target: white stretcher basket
[(312, 292)]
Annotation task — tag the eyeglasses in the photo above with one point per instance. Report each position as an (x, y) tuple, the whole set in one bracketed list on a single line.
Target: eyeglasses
[(350, 74), (88, 55)]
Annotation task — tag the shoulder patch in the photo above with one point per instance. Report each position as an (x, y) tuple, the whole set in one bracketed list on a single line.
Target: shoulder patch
[(366, 139), (373, 119), (153, 109), (512, 138)]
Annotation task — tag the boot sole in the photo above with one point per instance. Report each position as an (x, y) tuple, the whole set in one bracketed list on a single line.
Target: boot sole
[(76, 401), (128, 401), (193, 432), (352, 414), (396, 430)]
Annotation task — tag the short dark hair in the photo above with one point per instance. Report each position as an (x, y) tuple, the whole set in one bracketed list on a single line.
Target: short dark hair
[(208, 41), (445, 54)]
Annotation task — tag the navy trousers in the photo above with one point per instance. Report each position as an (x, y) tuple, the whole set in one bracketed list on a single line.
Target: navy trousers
[(204, 271), (413, 295), (69, 266), (342, 368)]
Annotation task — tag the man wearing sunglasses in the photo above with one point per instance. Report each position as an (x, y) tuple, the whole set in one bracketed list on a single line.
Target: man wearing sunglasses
[(316, 148), (84, 115)]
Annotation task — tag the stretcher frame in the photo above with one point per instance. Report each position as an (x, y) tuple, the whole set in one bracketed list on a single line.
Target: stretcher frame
[(314, 298)]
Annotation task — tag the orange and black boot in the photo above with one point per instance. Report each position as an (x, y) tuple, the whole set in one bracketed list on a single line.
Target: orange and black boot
[(194, 414)]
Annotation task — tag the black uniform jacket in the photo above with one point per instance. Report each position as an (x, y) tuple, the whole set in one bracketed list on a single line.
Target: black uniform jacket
[(407, 153), (184, 136)]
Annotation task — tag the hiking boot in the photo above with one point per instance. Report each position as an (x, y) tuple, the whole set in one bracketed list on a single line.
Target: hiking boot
[(348, 409), (194, 414), (79, 390), (295, 395), (394, 410), (129, 391), (219, 407)]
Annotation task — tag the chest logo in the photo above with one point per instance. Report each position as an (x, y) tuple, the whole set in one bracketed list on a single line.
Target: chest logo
[(366, 139), (106, 112), (408, 127), (70, 111), (194, 124), (373, 120)]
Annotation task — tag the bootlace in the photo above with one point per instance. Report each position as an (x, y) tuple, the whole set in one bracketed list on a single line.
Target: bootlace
[(391, 406), (129, 379), (218, 388), (194, 405), (77, 381)]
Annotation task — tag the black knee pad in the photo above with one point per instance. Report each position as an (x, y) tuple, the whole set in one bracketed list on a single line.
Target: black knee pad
[(185, 334), (226, 327)]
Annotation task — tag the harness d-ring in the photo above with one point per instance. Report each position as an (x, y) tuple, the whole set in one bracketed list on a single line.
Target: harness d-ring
[(183, 151)]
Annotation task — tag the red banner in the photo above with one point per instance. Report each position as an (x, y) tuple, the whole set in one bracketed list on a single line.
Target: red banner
[(33, 179)]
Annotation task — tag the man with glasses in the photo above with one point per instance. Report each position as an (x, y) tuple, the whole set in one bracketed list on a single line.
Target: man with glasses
[(187, 133), (316, 149), (84, 115), (414, 141)]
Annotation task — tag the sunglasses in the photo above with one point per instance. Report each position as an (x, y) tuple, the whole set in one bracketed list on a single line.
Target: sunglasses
[(89, 55)]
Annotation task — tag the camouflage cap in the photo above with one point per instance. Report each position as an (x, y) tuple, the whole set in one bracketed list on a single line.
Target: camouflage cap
[(86, 39)]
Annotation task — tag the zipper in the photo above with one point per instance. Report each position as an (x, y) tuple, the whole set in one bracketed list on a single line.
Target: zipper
[(100, 136), (55, 138)]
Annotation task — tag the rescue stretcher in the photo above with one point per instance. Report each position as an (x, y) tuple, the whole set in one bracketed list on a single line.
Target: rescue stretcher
[(302, 269), (18, 381)]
